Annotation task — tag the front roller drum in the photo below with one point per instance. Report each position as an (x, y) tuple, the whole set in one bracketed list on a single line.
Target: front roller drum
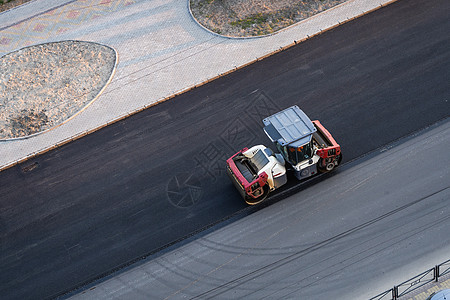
[(328, 164)]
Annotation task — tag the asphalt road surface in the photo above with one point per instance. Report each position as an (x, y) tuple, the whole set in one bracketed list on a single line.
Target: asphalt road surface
[(126, 191), (379, 221)]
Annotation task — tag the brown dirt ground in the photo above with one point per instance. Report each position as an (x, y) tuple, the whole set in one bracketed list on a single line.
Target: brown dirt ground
[(242, 18)]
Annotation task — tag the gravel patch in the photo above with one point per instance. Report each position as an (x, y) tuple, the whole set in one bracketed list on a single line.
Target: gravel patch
[(43, 86), (8, 4), (245, 18)]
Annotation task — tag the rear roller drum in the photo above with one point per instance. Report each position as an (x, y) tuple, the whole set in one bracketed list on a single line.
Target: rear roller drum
[(261, 197)]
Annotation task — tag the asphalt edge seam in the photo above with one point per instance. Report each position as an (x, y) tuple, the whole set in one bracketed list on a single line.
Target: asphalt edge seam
[(184, 90), (237, 215)]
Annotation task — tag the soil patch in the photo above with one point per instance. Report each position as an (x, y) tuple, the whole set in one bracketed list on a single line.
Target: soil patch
[(244, 18), (42, 86), (8, 4)]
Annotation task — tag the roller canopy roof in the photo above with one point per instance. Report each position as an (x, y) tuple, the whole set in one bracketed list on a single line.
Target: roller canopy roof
[(289, 127)]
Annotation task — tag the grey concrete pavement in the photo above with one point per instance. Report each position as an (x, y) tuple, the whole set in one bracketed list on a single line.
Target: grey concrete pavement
[(162, 51), (397, 219)]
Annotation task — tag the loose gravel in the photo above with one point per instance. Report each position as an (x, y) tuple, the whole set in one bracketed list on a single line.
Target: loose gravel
[(42, 86)]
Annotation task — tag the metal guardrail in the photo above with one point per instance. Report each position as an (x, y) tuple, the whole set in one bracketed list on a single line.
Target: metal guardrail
[(444, 271), (414, 283)]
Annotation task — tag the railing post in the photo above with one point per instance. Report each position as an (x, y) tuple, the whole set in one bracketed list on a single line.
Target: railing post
[(436, 273), (395, 293)]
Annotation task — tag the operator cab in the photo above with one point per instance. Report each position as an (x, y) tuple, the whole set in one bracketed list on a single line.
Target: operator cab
[(291, 131)]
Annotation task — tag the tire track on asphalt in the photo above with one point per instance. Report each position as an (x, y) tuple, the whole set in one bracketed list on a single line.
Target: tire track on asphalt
[(288, 259)]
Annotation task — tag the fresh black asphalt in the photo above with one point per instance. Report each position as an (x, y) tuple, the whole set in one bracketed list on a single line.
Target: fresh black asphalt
[(123, 192)]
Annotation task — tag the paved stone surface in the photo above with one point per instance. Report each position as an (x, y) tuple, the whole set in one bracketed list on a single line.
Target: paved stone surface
[(161, 50), (424, 292)]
